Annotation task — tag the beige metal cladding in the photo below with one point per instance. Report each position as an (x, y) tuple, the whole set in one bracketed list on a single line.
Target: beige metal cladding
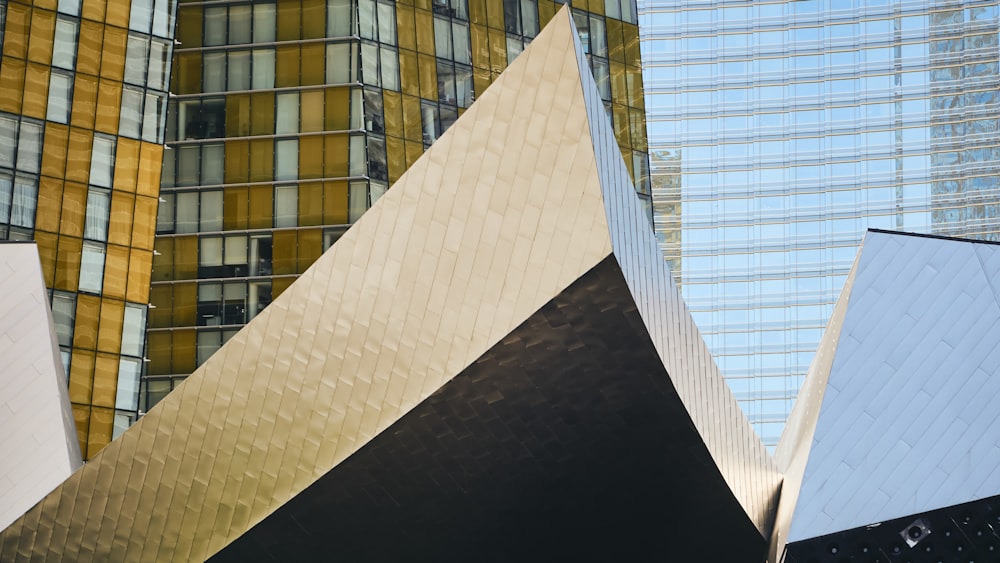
[(499, 216), (39, 439)]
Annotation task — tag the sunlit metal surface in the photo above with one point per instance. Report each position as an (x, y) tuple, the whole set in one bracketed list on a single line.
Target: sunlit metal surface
[(508, 209)]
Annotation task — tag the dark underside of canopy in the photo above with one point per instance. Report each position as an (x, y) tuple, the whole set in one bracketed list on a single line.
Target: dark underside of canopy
[(565, 441)]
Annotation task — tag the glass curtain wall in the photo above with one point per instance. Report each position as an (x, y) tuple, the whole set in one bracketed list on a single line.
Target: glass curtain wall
[(83, 90), (289, 119), (780, 131)]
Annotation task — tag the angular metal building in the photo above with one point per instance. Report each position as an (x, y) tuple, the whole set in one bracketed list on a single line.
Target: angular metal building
[(488, 364), (892, 451), (289, 119), (39, 436)]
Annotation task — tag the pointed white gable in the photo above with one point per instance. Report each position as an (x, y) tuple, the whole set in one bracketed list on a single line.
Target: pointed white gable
[(907, 422), (38, 440)]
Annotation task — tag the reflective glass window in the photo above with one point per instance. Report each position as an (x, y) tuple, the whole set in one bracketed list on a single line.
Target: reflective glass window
[(29, 147), (130, 118), (92, 267), (286, 159), (98, 212), (102, 160), (60, 87), (64, 44), (22, 209), (263, 23), (286, 206)]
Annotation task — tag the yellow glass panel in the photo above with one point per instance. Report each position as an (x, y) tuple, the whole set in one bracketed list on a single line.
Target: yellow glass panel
[(597, 7), (480, 47), (261, 160), (428, 77), (88, 316), (185, 304), (113, 60), (43, 25), (187, 72), (630, 33), (616, 48), (118, 12), (425, 31), (81, 416), (335, 203), (481, 80), (546, 10), (81, 376), (234, 208), (396, 157), (310, 247), (144, 222), (311, 109), (163, 265), (392, 109), (84, 101), (184, 351), (158, 348), (109, 101), (11, 85), (494, 14), (110, 335), (237, 161), (50, 196), (498, 50), (78, 155), (313, 19), (150, 164), (15, 40), (139, 266), (74, 209), (422, 4), (115, 278), (238, 115), (633, 77), (189, 22), (405, 36), (313, 64), (286, 66), (619, 90), (47, 244), (283, 256), (161, 295), (126, 164), (261, 207), (54, 152), (336, 155), (101, 426), (88, 53), (105, 380), (477, 12), (338, 109), (186, 257), (413, 152), (262, 116), (36, 90), (638, 129), (289, 12), (94, 9), (311, 204), (409, 73), (278, 285), (311, 157)]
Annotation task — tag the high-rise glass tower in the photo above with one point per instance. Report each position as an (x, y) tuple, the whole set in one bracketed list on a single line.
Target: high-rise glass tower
[(780, 131), (83, 95), (289, 118)]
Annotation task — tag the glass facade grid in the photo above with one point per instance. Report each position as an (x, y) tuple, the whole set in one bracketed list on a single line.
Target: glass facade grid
[(83, 93), (289, 119), (780, 131)]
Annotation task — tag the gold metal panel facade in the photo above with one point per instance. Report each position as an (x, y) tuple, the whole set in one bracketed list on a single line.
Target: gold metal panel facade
[(83, 91), (258, 85), (479, 234)]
